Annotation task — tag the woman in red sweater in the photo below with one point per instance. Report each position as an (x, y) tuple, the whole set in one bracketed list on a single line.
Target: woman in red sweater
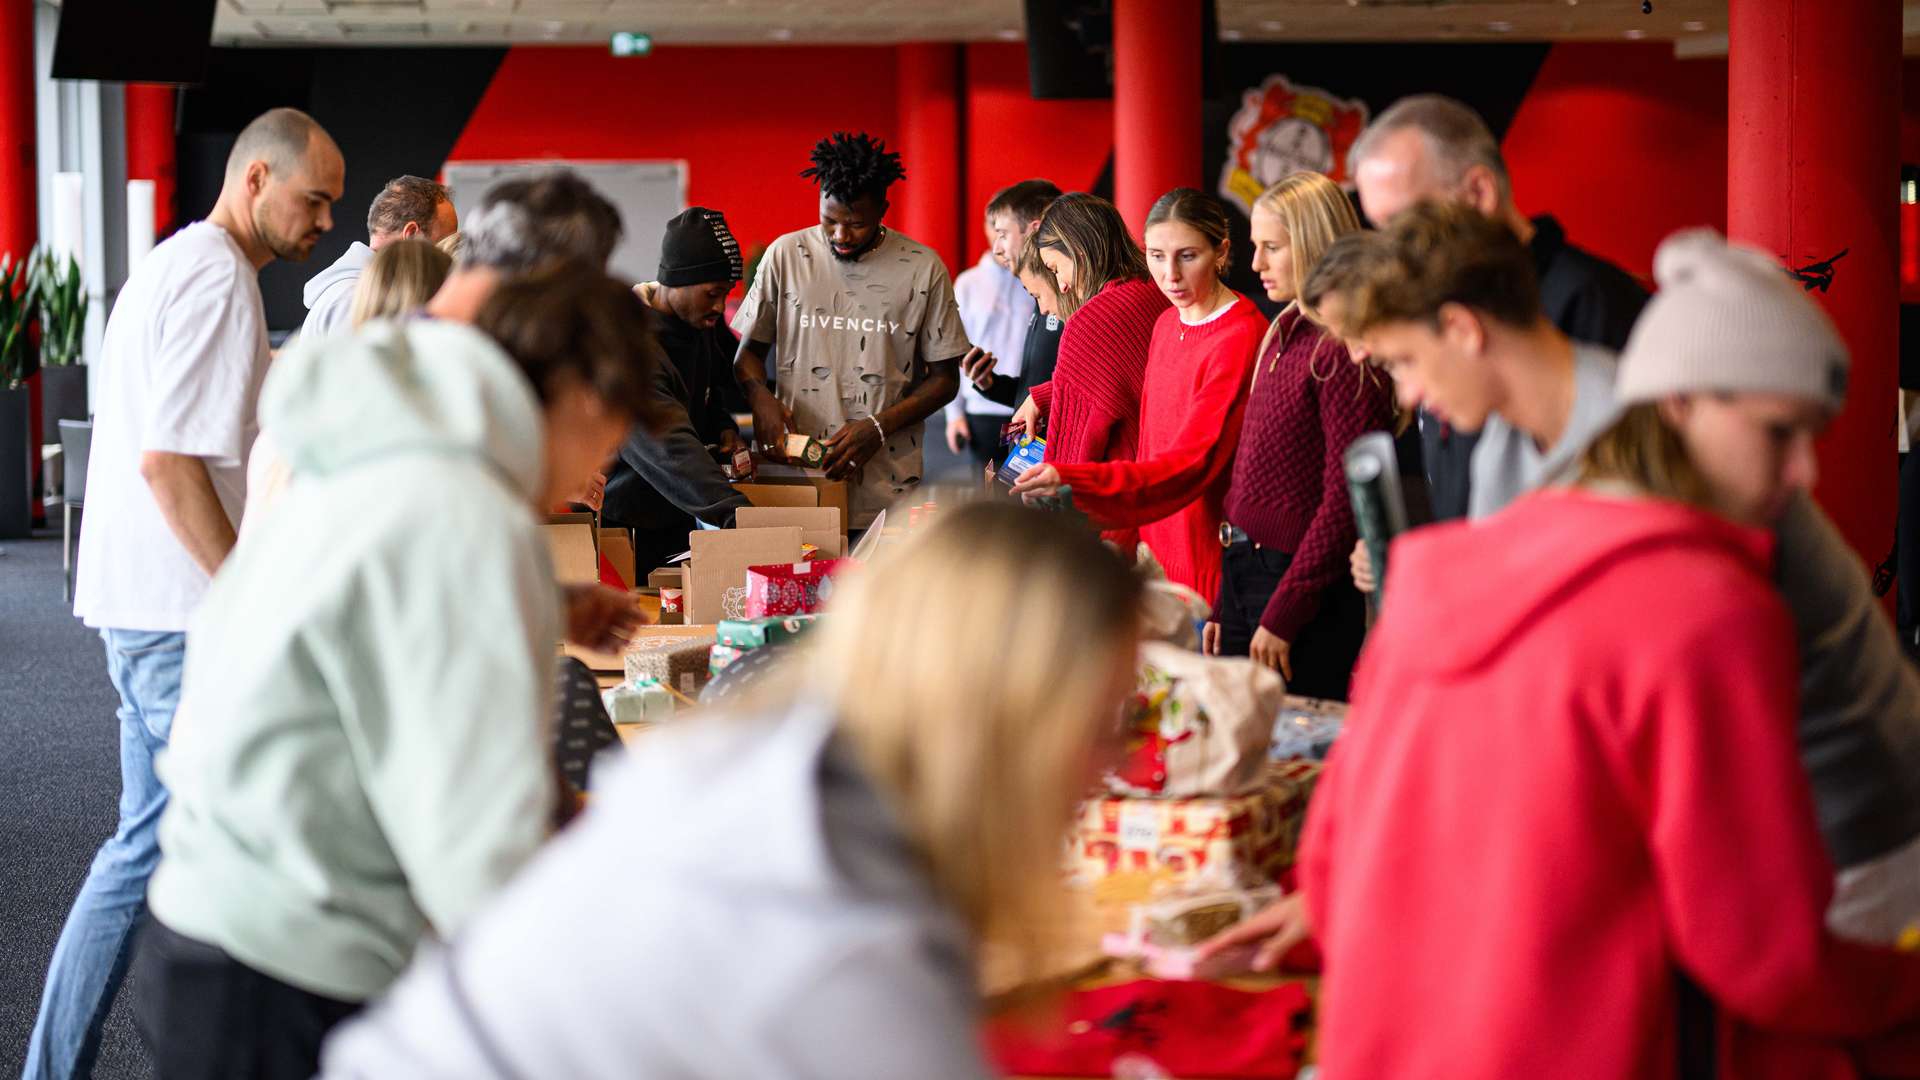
[(1571, 773), (1192, 401), (1285, 595), (1099, 280)]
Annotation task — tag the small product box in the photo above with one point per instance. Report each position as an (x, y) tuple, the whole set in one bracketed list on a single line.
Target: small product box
[(806, 451), (744, 634)]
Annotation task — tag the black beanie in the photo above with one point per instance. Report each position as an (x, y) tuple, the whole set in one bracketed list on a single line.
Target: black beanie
[(698, 249)]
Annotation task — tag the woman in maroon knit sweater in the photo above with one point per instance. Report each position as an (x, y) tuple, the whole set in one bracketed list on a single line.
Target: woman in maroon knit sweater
[(1285, 598), (1193, 397)]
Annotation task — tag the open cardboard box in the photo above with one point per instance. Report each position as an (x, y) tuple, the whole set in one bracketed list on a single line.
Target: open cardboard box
[(784, 485), (720, 560), (822, 526), (575, 548), (616, 546)]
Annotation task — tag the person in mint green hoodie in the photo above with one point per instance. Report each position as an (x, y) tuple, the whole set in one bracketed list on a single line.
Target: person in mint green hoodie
[(364, 750)]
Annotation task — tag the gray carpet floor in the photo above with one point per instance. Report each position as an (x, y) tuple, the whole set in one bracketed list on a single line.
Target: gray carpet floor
[(59, 785)]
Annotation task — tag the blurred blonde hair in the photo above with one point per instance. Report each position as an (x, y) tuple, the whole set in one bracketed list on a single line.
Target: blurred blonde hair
[(1315, 212), (403, 275), (981, 739), (1643, 452), (452, 243)]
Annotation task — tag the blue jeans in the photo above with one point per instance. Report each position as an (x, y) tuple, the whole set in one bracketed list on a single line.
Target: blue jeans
[(97, 944)]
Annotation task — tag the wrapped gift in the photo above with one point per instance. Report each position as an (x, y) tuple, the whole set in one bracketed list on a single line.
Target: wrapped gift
[(1224, 841), (643, 702), (1306, 728), (720, 656), (746, 634), (800, 588), (679, 662)]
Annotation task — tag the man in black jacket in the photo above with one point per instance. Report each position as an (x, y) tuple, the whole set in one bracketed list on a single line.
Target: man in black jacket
[(1433, 147), (670, 476)]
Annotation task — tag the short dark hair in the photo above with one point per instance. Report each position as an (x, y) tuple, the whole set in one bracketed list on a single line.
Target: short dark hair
[(530, 222), (1433, 254), (575, 321), (847, 166), (406, 199), (1026, 200)]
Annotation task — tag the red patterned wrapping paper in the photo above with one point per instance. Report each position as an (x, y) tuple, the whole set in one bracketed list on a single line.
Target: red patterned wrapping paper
[(1252, 836), (791, 588)]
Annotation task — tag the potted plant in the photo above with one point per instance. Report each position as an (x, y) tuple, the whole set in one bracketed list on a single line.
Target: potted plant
[(18, 306), (62, 301)]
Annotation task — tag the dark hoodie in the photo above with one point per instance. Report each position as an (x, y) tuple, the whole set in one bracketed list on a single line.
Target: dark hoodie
[(1570, 767)]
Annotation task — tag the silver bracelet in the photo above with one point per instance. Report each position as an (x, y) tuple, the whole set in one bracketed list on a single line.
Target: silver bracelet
[(878, 428)]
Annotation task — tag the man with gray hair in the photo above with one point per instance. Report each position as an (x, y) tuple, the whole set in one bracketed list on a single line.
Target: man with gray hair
[(408, 206), (1433, 147), (523, 225), (178, 383)]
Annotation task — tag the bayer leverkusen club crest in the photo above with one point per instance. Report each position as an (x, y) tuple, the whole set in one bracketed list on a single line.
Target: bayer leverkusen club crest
[(1282, 128)]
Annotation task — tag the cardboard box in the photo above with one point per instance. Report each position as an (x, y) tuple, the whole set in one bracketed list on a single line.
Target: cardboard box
[(667, 577), (575, 548), (826, 492), (825, 527), (616, 546), (1251, 838), (719, 565)]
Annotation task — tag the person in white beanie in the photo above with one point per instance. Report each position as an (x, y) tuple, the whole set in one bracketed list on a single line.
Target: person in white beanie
[(1598, 684), (1734, 361)]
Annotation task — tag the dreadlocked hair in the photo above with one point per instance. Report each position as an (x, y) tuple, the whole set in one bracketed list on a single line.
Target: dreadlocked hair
[(847, 166)]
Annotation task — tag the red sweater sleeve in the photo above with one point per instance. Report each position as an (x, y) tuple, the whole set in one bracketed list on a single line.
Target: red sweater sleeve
[(1144, 491), (1743, 878), (1042, 396), (1349, 406)]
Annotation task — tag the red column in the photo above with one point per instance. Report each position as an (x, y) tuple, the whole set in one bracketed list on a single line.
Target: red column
[(929, 199), (19, 195), (1156, 102), (150, 147), (1813, 169)]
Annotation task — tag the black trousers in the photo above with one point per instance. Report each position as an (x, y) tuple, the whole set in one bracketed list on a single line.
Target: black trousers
[(1324, 652), (983, 438), (204, 1014)]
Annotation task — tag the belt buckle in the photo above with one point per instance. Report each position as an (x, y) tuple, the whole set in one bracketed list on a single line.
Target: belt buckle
[(1226, 535)]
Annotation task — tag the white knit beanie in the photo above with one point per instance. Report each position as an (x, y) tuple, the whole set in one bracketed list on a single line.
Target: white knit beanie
[(1728, 319)]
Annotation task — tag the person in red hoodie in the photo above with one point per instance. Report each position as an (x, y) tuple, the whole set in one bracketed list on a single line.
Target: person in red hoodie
[(1192, 402), (1547, 806), (1284, 594)]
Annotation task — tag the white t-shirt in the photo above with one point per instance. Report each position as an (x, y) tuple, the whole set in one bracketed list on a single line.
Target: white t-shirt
[(996, 311), (181, 366)]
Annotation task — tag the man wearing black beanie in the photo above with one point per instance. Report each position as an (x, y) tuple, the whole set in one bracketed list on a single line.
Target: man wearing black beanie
[(666, 478)]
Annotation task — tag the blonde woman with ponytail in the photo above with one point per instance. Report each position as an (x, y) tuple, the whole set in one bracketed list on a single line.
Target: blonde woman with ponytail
[(802, 889), (1285, 598)]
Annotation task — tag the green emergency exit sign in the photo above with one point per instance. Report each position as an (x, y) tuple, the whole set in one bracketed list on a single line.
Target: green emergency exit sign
[(626, 44)]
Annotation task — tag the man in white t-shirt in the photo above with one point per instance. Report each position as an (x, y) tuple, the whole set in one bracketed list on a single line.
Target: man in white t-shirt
[(180, 372)]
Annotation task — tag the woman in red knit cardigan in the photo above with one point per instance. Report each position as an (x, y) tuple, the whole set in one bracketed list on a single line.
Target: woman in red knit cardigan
[(1285, 597), (1192, 401), (1092, 404)]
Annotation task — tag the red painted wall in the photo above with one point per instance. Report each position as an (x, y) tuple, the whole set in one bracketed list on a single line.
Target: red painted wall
[(1011, 137), (1624, 144), (744, 119)]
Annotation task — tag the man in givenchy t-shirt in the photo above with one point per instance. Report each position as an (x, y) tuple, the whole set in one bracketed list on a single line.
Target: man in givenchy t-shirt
[(864, 326)]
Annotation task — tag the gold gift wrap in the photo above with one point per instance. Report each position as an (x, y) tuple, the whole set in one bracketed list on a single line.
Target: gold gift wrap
[(1240, 840)]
